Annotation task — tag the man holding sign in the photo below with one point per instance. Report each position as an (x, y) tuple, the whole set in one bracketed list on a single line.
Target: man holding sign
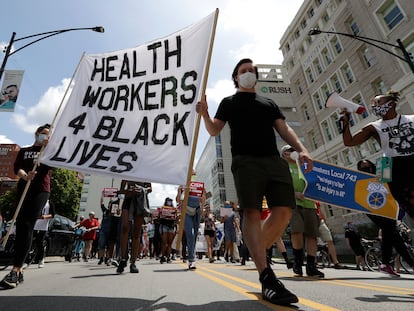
[(258, 169)]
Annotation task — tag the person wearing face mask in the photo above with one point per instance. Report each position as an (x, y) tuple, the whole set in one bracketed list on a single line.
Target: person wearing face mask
[(34, 201), (391, 237), (258, 170), (394, 132)]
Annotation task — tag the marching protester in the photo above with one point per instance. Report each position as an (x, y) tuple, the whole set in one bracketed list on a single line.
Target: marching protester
[(168, 218), (192, 219), (393, 131), (36, 197), (258, 169), (353, 240), (209, 233), (390, 236), (134, 207), (304, 224), (91, 224)]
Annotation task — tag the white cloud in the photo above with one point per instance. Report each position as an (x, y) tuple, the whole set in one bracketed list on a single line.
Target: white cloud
[(5, 140), (44, 111)]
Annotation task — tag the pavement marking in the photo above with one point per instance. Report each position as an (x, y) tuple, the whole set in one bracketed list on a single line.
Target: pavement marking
[(371, 286), (306, 302)]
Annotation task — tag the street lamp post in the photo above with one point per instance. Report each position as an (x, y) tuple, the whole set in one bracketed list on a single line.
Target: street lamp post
[(43, 35), (371, 41)]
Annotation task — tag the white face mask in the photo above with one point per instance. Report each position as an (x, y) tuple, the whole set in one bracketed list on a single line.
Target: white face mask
[(40, 138), (247, 80)]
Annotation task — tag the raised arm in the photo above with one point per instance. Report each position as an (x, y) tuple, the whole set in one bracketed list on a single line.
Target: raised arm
[(360, 137)]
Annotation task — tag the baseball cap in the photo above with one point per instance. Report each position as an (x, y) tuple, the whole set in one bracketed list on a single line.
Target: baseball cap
[(92, 213), (286, 148)]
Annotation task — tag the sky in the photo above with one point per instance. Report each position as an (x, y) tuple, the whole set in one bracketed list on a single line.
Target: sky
[(245, 28)]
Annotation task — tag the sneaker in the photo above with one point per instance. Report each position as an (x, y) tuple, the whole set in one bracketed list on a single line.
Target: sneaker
[(168, 260), (114, 263), (41, 263), (20, 278), (101, 260), (211, 260), (388, 270), (121, 266), (163, 259), (312, 271), (10, 280), (192, 265), (133, 268), (297, 269), (274, 291), (289, 264), (243, 262)]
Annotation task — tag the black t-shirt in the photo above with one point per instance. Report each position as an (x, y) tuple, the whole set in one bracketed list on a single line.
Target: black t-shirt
[(251, 118)]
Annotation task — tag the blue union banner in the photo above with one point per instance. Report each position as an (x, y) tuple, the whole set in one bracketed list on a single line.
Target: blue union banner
[(349, 189)]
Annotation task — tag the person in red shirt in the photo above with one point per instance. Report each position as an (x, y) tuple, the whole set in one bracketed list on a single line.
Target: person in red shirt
[(91, 224)]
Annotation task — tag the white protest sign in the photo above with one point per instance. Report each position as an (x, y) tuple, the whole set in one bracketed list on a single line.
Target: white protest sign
[(131, 114)]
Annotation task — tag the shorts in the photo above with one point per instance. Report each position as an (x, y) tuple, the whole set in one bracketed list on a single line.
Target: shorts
[(166, 229), (210, 233), (256, 177), (324, 232), (230, 236), (305, 220)]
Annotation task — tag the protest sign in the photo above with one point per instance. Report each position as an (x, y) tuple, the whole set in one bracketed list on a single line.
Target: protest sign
[(349, 189), (131, 114)]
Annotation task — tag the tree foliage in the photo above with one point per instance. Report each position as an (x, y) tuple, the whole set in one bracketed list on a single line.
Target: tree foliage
[(65, 193)]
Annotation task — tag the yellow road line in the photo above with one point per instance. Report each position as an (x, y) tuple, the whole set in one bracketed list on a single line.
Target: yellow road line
[(313, 304), (369, 286)]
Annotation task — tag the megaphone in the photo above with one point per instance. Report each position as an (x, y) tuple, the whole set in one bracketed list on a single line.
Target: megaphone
[(336, 101)]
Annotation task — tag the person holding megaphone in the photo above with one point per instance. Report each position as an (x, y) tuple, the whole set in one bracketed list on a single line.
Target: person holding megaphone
[(395, 133)]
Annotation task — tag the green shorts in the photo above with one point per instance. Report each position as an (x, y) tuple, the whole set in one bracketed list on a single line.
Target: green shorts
[(256, 177)]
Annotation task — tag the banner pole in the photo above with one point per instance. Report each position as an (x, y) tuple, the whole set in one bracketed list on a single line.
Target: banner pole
[(196, 132), (26, 188)]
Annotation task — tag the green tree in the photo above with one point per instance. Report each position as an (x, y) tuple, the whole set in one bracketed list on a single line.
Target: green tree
[(65, 193)]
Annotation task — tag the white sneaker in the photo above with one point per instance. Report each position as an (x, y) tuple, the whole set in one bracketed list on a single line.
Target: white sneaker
[(192, 265), (41, 263)]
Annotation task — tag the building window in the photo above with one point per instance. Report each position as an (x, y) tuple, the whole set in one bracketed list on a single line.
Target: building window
[(306, 112), (318, 101), (310, 75), (354, 27), (327, 130), (317, 65), (347, 73), (299, 87), (297, 34), (318, 2), (337, 83), (312, 139), (367, 57), (219, 152), (311, 12), (392, 15), (325, 91), (326, 56), (304, 24), (349, 159), (218, 139), (325, 18), (379, 87), (336, 45), (375, 145), (337, 124)]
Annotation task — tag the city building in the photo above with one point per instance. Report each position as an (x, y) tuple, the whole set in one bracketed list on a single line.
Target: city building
[(319, 64)]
